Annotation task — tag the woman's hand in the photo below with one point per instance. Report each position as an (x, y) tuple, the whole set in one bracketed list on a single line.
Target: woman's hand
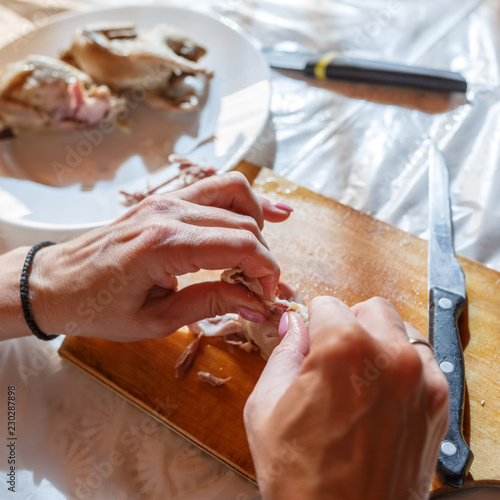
[(119, 282), (350, 410)]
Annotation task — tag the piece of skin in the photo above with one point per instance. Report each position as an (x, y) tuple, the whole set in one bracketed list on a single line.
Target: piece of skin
[(119, 282), (349, 410), (43, 93), (143, 58)]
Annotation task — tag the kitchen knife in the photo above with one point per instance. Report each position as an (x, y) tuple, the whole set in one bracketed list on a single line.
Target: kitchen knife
[(333, 66), (446, 283)]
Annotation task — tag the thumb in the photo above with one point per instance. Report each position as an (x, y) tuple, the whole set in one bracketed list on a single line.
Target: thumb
[(283, 366), (199, 301)]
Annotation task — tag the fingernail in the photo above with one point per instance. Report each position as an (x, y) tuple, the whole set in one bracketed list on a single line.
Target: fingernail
[(251, 315), (284, 207), (283, 326)]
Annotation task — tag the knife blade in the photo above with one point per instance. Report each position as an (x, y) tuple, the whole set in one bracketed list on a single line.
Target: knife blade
[(446, 287), (334, 66)]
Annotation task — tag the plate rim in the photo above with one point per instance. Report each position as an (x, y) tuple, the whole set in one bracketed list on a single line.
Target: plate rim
[(61, 17)]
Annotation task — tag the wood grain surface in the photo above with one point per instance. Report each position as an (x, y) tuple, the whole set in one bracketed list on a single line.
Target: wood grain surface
[(324, 248)]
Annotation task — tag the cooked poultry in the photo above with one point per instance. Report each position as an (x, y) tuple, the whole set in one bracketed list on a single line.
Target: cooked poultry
[(264, 335), (155, 60), (43, 93)]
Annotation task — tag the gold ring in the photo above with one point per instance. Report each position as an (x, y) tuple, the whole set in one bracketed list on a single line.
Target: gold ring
[(413, 340)]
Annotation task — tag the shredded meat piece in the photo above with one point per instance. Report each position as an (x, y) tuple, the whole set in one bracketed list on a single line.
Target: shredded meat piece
[(189, 173), (212, 380), (236, 276), (218, 326), (241, 343), (264, 335), (187, 357)]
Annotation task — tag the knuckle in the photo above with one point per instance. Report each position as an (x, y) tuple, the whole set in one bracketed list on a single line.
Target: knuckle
[(249, 409), (407, 368), (157, 329), (255, 413), (248, 242), (236, 179), (160, 202), (352, 339), (157, 233), (216, 305), (249, 224), (150, 326), (438, 393), (150, 204), (378, 302), (349, 347)]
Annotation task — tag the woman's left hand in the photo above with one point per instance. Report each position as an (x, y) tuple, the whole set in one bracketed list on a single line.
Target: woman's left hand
[(120, 282)]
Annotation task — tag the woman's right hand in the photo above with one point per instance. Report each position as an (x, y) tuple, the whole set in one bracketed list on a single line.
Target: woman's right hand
[(349, 410)]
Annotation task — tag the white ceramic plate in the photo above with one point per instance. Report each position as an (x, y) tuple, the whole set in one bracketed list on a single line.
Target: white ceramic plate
[(235, 112)]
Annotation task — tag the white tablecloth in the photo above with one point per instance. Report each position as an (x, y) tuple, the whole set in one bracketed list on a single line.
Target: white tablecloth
[(79, 440)]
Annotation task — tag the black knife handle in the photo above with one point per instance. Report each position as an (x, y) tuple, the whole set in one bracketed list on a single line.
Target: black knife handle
[(366, 71), (455, 456)]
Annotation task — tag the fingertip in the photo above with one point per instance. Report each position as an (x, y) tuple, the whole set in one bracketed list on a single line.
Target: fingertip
[(277, 212), (283, 207)]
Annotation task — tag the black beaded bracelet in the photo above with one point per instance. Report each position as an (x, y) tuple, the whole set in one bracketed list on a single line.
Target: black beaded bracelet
[(28, 316)]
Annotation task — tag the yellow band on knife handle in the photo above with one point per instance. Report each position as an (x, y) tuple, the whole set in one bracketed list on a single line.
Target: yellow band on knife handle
[(322, 64)]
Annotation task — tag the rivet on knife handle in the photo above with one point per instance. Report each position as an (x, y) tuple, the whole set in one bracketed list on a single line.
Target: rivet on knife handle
[(455, 456)]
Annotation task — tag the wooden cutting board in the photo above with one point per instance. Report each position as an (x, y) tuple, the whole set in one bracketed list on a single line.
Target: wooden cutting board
[(324, 248)]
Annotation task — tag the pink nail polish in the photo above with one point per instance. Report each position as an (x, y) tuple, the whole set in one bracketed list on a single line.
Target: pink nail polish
[(284, 207), (283, 326), (251, 315)]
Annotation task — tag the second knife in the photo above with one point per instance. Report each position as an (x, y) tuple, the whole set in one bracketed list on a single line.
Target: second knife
[(333, 66)]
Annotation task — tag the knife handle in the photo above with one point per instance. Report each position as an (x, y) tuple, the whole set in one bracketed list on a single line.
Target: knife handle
[(333, 67), (455, 456)]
